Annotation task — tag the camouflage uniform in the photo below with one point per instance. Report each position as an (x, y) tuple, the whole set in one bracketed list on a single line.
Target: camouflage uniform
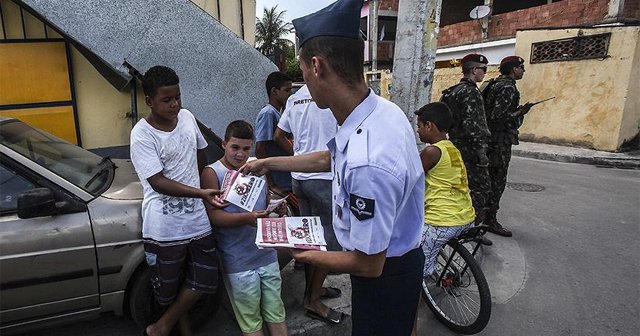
[(502, 99), (469, 133)]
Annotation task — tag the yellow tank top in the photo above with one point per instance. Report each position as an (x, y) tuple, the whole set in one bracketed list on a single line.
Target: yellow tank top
[(446, 199)]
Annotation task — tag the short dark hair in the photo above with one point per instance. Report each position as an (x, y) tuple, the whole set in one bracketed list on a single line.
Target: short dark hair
[(344, 55), (506, 68), (239, 129), (437, 113), (156, 77), (277, 80)]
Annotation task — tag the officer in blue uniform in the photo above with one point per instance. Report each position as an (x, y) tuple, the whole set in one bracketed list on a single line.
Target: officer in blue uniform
[(378, 184)]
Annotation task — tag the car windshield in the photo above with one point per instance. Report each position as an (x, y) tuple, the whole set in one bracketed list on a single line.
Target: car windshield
[(75, 164)]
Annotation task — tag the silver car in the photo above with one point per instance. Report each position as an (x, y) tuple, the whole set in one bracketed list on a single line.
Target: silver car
[(70, 234)]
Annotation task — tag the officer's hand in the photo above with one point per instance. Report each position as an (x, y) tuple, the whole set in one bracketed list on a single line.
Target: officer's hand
[(483, 160), (255, 167), (299, 254)]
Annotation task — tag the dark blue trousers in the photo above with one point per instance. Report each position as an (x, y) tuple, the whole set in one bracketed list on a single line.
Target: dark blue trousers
[(387, 305)]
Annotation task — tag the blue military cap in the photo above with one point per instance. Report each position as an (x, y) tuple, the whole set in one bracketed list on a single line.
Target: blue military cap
[(342, 18)]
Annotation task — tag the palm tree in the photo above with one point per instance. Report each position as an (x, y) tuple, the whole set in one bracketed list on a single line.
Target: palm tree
[(271, 31)]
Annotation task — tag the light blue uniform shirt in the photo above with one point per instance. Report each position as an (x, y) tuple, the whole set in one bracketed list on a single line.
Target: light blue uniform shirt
[(378, 185)]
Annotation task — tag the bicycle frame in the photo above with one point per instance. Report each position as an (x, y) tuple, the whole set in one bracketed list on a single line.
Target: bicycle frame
[(468, 235)]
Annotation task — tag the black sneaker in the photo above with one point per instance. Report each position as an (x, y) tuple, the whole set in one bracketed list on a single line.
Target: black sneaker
[(496, 228)]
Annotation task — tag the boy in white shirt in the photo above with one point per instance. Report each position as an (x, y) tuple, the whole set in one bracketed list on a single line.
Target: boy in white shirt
[(167, 151)]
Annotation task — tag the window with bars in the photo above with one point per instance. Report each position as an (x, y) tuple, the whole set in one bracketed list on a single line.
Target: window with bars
[(571, 49)]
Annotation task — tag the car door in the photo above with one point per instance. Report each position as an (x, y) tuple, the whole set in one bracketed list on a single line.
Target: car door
[(47, 264)]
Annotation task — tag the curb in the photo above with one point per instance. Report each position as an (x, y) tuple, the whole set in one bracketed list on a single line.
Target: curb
[(614, 162)]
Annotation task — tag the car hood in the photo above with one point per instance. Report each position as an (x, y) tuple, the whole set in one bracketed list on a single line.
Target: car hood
[(125, 185)]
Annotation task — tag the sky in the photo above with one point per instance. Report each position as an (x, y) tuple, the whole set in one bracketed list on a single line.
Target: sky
[(294, 8)]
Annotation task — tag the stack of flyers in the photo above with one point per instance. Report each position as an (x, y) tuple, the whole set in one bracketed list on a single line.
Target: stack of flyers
[(292, 232), (242, 190)]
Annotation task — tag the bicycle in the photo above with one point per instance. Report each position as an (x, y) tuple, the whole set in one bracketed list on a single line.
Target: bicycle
[(458, 293)]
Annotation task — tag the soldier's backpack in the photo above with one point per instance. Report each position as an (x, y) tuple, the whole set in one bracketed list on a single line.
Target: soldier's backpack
[(448, 98), (485, 88)]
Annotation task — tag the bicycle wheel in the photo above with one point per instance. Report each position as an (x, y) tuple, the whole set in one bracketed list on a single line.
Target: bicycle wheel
[(460, 299)]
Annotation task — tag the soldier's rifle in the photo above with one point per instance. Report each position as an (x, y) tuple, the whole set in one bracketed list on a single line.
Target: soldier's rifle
[(524, 109)]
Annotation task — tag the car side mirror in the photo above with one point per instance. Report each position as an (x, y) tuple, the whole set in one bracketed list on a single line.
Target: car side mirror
[(38, 202)]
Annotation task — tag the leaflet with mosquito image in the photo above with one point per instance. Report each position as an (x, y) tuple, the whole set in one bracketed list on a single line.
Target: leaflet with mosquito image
[(291, 232), (242, 190)]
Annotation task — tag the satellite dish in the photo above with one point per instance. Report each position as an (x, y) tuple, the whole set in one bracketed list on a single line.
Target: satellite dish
[(480, 12)]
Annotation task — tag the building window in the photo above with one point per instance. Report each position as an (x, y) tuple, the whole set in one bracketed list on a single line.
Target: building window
[(571, 49)]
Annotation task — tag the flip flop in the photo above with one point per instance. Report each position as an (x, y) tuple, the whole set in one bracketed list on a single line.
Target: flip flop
[(331, 293), (333, 316)]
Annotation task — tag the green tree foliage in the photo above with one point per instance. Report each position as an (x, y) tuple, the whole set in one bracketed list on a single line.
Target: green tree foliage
[(271, 31), (293, 64)]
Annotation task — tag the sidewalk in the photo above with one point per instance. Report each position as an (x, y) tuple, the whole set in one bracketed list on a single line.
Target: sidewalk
[(628, 160)]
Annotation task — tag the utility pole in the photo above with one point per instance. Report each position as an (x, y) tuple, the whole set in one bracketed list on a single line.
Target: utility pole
[(372, 75), (485, 21), (373, 33), (415, 54)]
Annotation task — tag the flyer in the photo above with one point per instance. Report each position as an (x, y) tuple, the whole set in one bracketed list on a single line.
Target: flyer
[(242, 190), (291, 232)]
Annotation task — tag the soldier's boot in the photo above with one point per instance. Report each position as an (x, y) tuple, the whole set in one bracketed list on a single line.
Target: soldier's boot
[(479, 220), (495, 227)]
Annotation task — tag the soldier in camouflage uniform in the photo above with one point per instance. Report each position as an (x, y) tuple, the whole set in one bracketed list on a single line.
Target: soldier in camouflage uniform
[(469, 132), (504, 117)]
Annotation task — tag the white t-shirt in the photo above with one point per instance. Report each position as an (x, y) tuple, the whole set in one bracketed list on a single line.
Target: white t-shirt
[(311, 127), (168, 218)]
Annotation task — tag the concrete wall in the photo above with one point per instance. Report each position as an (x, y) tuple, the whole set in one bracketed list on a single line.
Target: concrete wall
[(557, 14), (104, 113), (237, 15), (446, 77), (630, 124), (597, 102)]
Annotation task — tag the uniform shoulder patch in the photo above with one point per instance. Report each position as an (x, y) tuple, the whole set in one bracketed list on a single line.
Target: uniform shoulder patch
[(361, 207)]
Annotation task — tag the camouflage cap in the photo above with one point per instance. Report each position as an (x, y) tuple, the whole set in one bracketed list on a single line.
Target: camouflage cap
[(512, 59), (474, 60)]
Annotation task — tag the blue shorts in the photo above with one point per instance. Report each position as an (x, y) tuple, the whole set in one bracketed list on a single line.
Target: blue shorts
[(255, 297)]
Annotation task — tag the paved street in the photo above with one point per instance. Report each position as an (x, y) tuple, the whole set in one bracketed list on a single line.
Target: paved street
[(572, 267)]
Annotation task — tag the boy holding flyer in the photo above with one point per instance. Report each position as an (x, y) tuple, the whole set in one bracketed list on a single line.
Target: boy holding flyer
[(251, 275)]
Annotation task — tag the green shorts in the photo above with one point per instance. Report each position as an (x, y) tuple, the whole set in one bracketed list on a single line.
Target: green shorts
[(255, 297)]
